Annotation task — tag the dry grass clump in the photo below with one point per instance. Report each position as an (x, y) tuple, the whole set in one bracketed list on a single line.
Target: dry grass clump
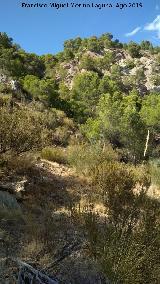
[(155, 172), (54, 154)]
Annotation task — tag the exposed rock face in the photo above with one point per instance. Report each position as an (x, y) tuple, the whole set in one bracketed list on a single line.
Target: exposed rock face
[(13, 84), (147, 62), (23, 273), (8, 201), (120, 55), (154, 192), (17, 188), (3, 78), (93, 54), (28, 274)]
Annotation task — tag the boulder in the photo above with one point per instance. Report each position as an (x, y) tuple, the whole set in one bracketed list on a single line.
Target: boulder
[(17, 188)]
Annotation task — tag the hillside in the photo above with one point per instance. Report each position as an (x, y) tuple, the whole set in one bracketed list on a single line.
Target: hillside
[(47, 234), (79, 163)]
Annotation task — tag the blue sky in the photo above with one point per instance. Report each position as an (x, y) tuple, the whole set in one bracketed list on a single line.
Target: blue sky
[(43, 30)]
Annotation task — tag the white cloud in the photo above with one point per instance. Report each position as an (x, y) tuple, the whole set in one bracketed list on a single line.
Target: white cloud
[(154, 26), (135, 31)]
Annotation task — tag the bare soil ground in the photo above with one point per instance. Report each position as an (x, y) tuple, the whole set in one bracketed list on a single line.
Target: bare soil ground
[(48, 233)]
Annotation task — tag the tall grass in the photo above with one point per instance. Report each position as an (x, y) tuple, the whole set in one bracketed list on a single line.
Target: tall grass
[(54, 154)]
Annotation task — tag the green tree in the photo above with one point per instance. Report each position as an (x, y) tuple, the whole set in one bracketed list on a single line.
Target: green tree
[(64, 92), (106, 40), (68, 54), (116, 72), (146, 45), (85, 94), (150, 111), (50, 63), (45, 89), (106, 125), (5, 41), (73, 44), (18, 63), (119, 121), (93, 44), (87, 62), (107, 85), (133, 130), (106, 61), (133, 49)]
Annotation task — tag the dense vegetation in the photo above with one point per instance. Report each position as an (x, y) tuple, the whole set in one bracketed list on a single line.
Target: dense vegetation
[(102, 122), (97, 98)]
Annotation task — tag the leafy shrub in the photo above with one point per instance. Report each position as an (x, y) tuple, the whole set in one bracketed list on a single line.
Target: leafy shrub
[(86, 157), (140, 75), (117, 182), (5, 99), (85, 94), (129, 81), (4, 88), (22, 130), (21, 164), (125, 246), (87, 62), (115, 72), (61, 135), (130, 64), (134, 49), (155, 79), (93, 44), (146, 45), (126, 255)]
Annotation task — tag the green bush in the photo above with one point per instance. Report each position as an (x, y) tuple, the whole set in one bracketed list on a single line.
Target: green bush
[(22, 130), (86, 157), (126, 256), (61, 135), (5, 99), (130, 64), (22, 164), (134, 49), (125, 246), (87, 62), (155, 79), (116, 183)]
